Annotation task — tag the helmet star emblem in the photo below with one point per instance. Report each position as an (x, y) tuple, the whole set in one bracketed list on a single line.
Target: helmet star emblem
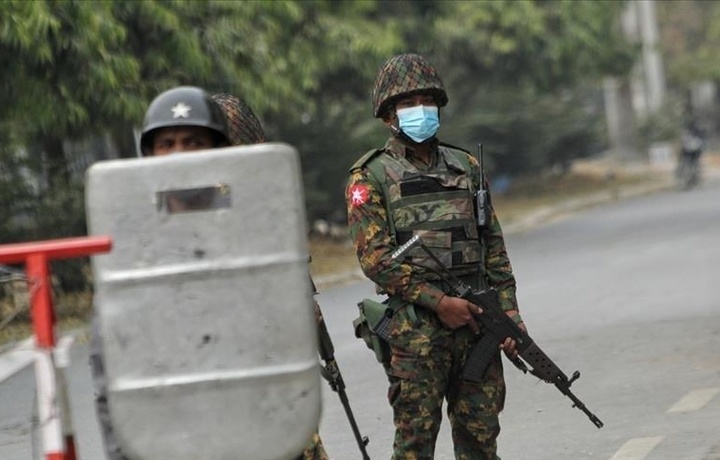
[(181, 110)]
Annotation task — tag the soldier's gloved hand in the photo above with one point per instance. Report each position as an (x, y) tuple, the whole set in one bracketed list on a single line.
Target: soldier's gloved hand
[(455, 312)]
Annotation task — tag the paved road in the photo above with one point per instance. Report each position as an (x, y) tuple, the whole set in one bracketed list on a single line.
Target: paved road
[(625, 292)]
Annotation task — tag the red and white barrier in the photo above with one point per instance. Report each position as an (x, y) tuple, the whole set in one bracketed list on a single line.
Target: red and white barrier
[(53, 403)]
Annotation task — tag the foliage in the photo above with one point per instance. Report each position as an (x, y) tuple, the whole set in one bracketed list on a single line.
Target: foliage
[(690, 39), (523, 132), (509, 68), (664, 125), (514, 80), (547, 45), (519, 74)]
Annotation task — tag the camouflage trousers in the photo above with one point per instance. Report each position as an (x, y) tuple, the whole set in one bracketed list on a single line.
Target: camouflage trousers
[(314, 450), (425, 370)]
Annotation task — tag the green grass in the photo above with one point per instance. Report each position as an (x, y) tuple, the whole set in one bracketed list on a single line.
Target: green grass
[(72, 311)]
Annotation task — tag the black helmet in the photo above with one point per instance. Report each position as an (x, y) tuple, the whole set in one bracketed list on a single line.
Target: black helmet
[(405, 74), (183, 106)]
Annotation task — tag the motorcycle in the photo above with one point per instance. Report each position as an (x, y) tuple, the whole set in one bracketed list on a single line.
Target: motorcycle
[(687, 172)]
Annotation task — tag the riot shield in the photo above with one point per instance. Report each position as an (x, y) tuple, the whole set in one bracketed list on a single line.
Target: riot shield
[(203, 305)]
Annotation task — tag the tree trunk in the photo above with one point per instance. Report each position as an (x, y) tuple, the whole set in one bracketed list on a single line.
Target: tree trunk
[(124, 139), (56, 167)]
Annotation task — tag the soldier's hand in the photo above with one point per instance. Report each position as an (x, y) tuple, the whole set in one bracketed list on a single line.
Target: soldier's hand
[(508, 346), (455, 312)]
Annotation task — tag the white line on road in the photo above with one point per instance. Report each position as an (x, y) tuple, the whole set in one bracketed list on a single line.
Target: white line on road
[(694, 400), (637, 449)]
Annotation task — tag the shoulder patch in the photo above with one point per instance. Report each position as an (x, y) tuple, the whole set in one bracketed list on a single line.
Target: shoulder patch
[(358, 194), (369, 155)]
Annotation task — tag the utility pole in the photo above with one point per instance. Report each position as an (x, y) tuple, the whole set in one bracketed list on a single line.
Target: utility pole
[(652, 68), (622, 130), (633, 98)]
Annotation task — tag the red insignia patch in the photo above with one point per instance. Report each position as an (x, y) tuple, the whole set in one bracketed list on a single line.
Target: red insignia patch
[(358, 195)]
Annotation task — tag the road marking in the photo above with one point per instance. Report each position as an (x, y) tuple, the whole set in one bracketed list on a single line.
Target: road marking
[(62, 351), (23, 355), (637, 449), (694, 400), (15, 360)]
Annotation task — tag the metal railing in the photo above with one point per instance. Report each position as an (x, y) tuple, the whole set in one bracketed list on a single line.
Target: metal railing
[(13, 286)]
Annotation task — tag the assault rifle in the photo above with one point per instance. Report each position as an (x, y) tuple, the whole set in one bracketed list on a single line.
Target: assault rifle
[(331, 372), (495, 327)]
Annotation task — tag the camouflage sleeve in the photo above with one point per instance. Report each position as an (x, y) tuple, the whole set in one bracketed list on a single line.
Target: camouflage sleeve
[(370, 233), (498, 269)]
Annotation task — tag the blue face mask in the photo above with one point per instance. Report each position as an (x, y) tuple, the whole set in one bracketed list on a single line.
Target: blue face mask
[(419, 123)]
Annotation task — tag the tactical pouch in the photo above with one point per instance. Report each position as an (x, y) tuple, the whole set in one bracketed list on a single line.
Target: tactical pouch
[(373, 326)]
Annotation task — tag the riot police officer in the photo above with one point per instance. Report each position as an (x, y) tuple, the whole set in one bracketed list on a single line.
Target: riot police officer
[(416, 185), (181, 120)]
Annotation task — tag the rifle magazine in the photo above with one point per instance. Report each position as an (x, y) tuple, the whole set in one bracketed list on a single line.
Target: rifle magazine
[(482, 354)]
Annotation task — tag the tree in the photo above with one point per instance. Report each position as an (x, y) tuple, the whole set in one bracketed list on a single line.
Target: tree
[(690, 40), (521, 75), (78, 68)]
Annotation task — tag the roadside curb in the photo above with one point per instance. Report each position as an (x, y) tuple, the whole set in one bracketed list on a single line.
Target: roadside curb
[(552, 212), (337, 279)]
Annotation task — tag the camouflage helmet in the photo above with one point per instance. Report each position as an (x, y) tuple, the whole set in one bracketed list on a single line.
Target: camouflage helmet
[(243, 126), (404, 74), (183, 106)]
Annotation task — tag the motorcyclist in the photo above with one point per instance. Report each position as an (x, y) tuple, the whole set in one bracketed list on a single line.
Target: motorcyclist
[(691, 149)]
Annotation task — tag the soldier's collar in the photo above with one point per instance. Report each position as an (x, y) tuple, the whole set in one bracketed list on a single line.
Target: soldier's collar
[(402, 148)]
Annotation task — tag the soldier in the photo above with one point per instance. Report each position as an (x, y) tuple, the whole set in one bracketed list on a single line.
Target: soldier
[(244, 128), (417, 185), (181, 120)]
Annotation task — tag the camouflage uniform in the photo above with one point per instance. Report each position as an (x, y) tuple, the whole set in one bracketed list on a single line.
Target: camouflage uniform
[(244, 128), (383, 212)]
